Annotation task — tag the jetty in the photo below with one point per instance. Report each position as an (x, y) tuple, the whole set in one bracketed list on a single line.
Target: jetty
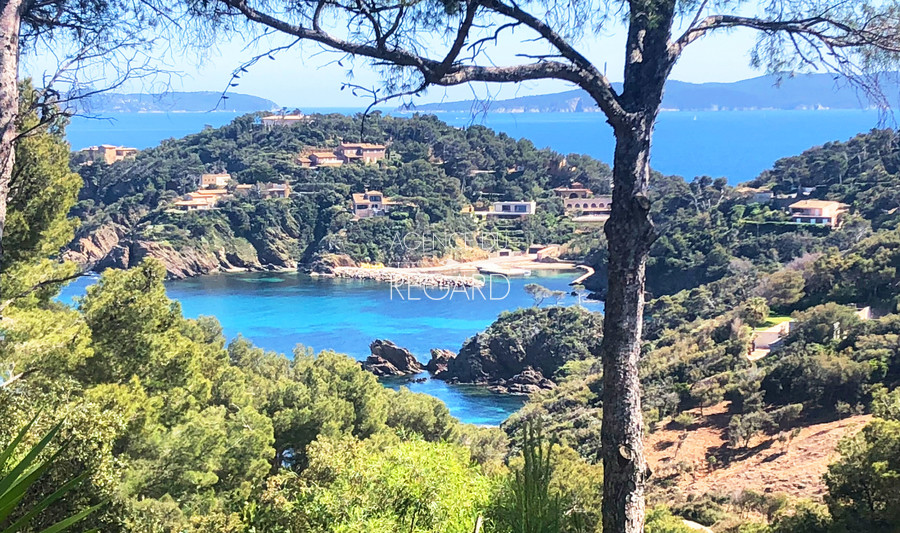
[(508, 271), (588, 272)]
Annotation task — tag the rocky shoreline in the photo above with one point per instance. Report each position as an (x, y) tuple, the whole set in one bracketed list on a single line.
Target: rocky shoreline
[(389, 360), (396, 277), (114, 246)]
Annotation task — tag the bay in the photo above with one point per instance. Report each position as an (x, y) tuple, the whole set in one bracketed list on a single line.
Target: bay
[(737, 145), (277, 311)]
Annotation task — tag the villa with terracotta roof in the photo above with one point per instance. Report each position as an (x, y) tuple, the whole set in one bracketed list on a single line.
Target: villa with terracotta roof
[(109, 153), (821, 212), (595, 205), (576, 190), (201, 200), (325, 159), (582, 202), (365, 152), (371, 204)]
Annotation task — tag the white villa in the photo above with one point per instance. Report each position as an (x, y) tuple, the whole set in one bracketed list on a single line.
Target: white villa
[(507, 210), (272, 121), (821, 212), (371, 204)]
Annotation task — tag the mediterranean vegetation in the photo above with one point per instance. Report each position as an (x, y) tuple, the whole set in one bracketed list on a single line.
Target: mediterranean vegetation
[(415, 46), (432, 169), (159, 423)]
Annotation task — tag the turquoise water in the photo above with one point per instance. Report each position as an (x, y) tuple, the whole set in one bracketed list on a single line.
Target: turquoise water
[(734, 144), (279, 311)]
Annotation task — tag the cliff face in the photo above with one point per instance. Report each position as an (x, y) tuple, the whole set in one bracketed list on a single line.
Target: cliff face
[(522, 350), (112, 246)]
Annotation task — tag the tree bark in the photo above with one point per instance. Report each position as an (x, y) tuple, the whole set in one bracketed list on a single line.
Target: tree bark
[(10, 19), (630, 233)]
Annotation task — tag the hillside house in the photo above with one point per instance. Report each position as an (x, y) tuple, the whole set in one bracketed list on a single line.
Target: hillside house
[(580, 201), (512, 209), (325, 159), (109, 153), (821, 212), (594, 205), (273, 121), (215, 181), (371, 204), (264, 189), (365, 152), (760, 195), (193, 204), (200, 200), (273, 190), (576, 190), (505, 210)]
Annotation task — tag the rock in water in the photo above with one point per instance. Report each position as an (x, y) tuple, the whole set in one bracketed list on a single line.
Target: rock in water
[(388, 359), (527, 381), (439, 360)]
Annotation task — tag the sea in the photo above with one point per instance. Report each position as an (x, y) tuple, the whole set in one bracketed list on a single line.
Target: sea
[(736, 145), (280, 311)]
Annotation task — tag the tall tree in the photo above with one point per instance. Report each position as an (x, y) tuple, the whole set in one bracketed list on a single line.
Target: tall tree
[(41, 194), (98, 45), (418, 44)]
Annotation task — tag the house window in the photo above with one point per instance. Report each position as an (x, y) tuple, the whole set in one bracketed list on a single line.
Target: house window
[(593, 205), (505, 208), (362, 207), (569, 206), (521, 208)]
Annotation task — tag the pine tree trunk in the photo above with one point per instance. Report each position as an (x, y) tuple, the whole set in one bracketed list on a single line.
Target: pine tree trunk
[(10, 18), (629, 234)]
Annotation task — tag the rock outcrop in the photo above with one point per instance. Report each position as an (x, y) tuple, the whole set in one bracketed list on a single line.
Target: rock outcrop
[(522, 351), (111, 246), (100, 249), (527, 381), (388, 359), (325, 264), (439, 360)]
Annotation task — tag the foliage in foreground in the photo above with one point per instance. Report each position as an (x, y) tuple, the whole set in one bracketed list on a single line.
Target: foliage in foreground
[(20, 475)]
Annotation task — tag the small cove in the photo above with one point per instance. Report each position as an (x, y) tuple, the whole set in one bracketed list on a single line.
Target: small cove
[(278, 311)]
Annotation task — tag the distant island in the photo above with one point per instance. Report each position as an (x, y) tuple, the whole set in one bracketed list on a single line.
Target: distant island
[(174, 102), (807, 91)]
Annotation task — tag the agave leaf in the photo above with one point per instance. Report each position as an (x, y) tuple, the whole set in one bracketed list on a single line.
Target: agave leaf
[(19, 524), (7, 481)]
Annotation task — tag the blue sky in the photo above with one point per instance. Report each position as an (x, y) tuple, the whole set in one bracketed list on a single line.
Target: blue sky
[(306, 77)]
